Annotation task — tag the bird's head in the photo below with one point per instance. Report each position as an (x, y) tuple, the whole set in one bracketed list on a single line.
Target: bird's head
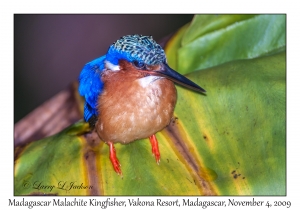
[(132, 57), (147, 57)]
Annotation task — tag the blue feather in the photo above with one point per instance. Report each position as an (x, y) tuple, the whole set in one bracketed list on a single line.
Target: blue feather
[(136, 48), (91, 86)]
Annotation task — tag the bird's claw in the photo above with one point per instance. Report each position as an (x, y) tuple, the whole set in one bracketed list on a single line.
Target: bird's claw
[(156, 154), (116, 165), (155, 149), (114, 160)]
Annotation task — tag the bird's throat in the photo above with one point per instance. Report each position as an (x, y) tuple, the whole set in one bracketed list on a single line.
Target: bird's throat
[(146, 81)]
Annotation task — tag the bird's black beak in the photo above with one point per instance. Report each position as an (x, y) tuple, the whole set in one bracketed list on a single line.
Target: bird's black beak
[(168, 72)]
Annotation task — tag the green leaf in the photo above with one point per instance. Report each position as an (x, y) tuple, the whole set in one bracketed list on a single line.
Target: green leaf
[(238, 129), (173, 45), (204, 24), (49, 166), (230, 141), (213, 40)]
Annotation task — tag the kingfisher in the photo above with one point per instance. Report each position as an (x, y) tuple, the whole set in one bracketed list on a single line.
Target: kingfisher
[(130, 93)]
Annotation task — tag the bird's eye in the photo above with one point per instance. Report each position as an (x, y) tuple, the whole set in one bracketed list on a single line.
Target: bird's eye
[(138, 64)]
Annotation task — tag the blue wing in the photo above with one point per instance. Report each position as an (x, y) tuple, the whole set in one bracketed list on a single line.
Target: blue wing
[(91, 86)]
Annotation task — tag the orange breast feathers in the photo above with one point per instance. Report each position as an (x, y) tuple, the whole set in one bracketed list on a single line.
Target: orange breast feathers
[(133, 106)]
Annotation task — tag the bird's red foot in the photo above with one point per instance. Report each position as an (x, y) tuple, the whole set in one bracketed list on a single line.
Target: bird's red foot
[(155, 149), (113, 158)]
